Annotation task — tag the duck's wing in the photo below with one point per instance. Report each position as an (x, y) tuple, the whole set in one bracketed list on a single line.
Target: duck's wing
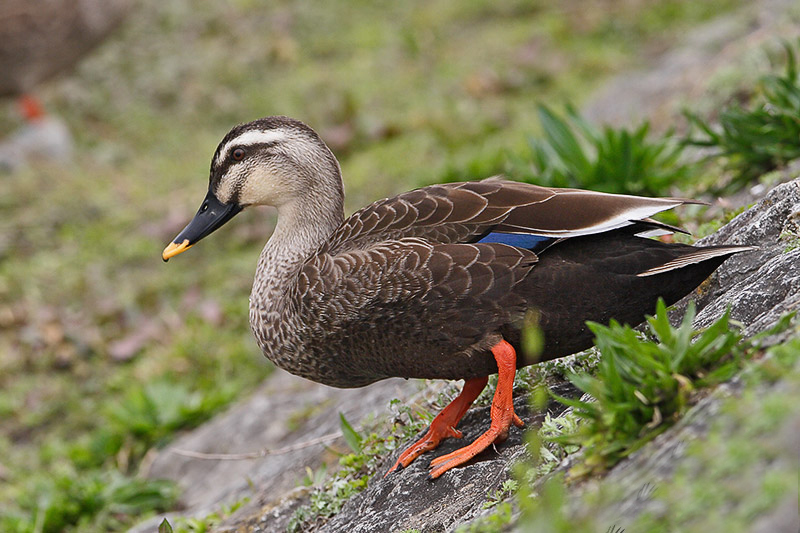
[(493, 210)]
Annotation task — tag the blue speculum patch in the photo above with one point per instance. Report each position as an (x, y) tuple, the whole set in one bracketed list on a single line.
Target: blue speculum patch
[(520, 240)]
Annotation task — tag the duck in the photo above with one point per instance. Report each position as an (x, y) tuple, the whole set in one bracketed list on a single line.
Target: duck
[(437, 282), (44, 39), (41, 40)]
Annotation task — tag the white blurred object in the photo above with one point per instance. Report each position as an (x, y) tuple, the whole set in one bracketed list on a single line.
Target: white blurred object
[(40, 39), (43, 137)]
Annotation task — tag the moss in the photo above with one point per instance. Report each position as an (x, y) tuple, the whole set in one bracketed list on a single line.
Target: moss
[(497, 521), (206, 523)]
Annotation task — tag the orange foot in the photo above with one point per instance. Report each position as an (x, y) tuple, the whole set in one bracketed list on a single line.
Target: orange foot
[(444, 425), (502, 413)]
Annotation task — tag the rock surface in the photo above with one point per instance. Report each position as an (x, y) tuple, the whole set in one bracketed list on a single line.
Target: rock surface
[(408, 500), (759, 287), (688, 71), (285, 411)]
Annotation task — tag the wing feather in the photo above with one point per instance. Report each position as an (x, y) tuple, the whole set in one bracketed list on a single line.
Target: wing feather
[(466, 212)]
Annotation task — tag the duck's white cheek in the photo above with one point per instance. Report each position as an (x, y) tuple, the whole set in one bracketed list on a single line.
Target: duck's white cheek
[(261, 188)]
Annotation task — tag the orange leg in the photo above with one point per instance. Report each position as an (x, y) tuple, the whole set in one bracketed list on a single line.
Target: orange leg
[(502, 413), (444, 425)]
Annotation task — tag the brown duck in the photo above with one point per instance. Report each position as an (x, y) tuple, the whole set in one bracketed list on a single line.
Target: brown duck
[(435, 282), (43, 38)]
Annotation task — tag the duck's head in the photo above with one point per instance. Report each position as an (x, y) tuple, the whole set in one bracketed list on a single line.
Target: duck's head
[(275, 161)]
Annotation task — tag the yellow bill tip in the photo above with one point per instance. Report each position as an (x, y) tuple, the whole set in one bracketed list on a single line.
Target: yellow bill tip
[(174, 249)]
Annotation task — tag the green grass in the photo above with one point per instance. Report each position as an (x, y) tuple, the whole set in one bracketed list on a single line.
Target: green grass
[(87, 500), (759, 137)]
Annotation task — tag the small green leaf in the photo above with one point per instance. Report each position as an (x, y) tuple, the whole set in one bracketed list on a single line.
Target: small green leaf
[(532, 338), (351, 436), (164, 527)]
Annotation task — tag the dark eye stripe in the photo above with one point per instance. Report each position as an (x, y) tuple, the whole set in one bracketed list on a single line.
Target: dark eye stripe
[(252, 149)]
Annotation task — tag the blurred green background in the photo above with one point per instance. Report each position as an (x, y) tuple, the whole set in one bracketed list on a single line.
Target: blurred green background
[(105, 351)]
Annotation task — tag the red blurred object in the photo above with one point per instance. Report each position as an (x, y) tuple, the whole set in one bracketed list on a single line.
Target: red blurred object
[(30, 107)]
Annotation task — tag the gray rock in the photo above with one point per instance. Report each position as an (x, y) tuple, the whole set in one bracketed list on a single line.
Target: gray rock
[(266, 421), (408, 500), (685, 72), (759, 286)]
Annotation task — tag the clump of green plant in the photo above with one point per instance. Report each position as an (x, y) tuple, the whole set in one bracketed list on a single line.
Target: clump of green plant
[(574, 153), (760, 137), (409, 421), (497, 521), (91, 479), (550, 452), (90, 500), (507, 489), (752, 419), (146, 416), (204, 524), (643, 385)]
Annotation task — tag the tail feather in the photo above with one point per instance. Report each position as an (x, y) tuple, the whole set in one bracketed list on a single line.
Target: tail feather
[(698, 256)]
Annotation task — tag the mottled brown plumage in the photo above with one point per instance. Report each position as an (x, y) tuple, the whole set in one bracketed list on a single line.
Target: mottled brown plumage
[(436, 282)]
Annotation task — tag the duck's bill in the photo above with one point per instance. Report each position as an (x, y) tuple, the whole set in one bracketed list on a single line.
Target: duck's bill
[(211, 216)]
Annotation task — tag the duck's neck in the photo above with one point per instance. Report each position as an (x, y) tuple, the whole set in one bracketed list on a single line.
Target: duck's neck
[(303, 226)]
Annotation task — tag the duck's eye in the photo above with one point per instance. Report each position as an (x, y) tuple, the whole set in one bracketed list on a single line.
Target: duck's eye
[(238, 154)]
